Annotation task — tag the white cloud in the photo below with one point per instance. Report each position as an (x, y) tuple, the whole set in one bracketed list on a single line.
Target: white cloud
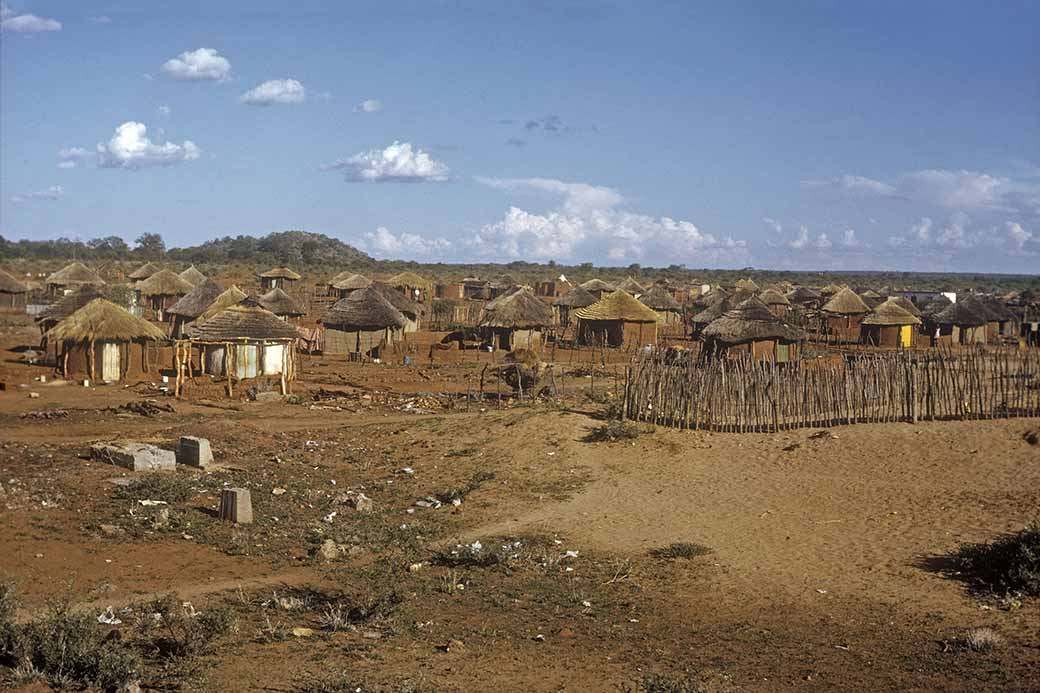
[(805, 241), (68, 158), (54, 192), (773, 224), (578, 198), (1018, 235), (398, 163), (204, 64), (275, 91), (26, 23), (369, 106), (131, 149), (385, 243), (164, 110), (849, 240)]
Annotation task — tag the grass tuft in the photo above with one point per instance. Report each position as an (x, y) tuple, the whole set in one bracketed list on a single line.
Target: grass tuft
[(680, 549)]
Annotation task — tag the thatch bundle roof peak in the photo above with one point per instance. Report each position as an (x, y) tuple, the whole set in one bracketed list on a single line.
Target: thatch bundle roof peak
[(164, 283), (631, 286), (803, 294), (143, 272), (517, 310), (364, 309), (280, 273), (75, 273), (195, 302), (906, 304), (772, 297), (596, 284), (618, 305), (193, 276), (658, 298), (230, 297), (965, 313), (350, 282), (280, 303), (845, 302), (751, 321), (69, 304), (243, 321), (10, 285), (577, 297), (408, 279), (889, 313), (398, 300), (103, 321)]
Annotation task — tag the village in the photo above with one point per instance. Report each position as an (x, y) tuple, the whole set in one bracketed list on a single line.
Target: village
[(297, 480)]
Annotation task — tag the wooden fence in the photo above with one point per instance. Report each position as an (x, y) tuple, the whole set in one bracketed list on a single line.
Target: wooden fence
[(745, 396)]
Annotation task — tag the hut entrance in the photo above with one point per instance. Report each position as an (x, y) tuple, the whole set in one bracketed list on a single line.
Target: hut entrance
[(503, 339), (245, 361), (274, 354), (110, 370), (906, 336)]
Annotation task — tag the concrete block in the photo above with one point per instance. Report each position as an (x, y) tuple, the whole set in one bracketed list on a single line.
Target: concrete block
[(139, 457), (195, 452), (236, 505)]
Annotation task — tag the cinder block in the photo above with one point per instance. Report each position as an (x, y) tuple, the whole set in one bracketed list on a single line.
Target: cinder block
[(195, 452), (139, 457), (236, 505)]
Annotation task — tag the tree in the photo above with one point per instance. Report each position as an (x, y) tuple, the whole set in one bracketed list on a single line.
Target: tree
[(150, 246)]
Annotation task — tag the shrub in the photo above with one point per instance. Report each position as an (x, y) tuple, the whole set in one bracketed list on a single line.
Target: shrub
[(172, 488), (613, 431), (655, 683), (460, 492), (1011, 564), (176, 630), (680, 549), (981, 640)]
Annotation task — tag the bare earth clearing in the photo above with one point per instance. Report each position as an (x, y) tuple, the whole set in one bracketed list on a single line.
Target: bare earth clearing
[(827, 569)]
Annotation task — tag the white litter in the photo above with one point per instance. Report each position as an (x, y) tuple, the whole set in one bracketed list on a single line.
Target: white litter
[(108, 617)]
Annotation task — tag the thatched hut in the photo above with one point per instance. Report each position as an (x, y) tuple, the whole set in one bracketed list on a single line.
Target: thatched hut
[(411, 310), (889, 325), (281, 304), (804, 296), (160, 291), (193, 276), (829, 290), (747, 284), (278, 278), (102, 341), (515, 320), (906, 304), (963, 322), (710, 297), (751, 329), (631, 286), (343, 286), (597, 287), (871, 298), (241, 341), (661, 301), (71, 277), (143, 272), (361, 323), (12, 294), (193, 304), (778, 304), (701, 319), (412, 286), (564, 306), (1001, 321), (617, 320), (843, 313)]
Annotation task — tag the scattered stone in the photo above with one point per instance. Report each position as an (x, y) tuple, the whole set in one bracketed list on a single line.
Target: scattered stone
[(356, 500), (111, 530), (236, 505), (161, 519), (109, 618), (139, 457), (792, 447), (300, 632), (822, 434), (195, 452), (371, 634), (452, 646), (277, 491), (330, 550)]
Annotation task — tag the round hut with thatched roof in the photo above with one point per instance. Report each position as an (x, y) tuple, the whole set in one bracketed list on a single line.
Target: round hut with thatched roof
[(661, 301), (360, 324), (344, 283), (564, 306), (193, 304), (889, 325), (702, 318), (597, 287), (515, 320), (240, 341), (963, 322), (411, 310), (1001, 321), (631, 286), (12, 294), (281, 304), (778, 304), (842, 314), (751, 329), (160, 291), (412, 286), (618, 321), (279, 278), (102, 341), (193, 276), (143, 272), (804, 296), (71, 277)]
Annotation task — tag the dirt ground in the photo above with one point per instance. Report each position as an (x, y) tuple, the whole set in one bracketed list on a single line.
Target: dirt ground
[(827, 565)]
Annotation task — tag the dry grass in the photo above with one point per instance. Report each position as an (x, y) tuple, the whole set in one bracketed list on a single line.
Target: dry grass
[(982, 640)]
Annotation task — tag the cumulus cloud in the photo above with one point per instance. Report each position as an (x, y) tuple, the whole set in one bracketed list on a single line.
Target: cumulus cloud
[(26, 23), (69, 157), (54, 192), (1018, 236), (773, 224), (385, 243), (398, 163), (164, 110), (131, 149), (849, 239), (275, 91), (203, 64), (369, 106)]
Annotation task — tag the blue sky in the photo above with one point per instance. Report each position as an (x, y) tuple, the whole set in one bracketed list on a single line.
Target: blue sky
[(782, 135)]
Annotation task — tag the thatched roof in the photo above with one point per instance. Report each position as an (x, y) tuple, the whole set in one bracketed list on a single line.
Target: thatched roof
[(143, 272), (772, 297), (595, 284), (409, 280), (997, 310), (164, 283), (351, 282), (75, 273), (869, 293), (195, 302), (803, 294), (69, 304), (710, 297), (364, 309), (280, 303), (630, 285), (845, 302), (231, 297), (660, 300), (245, 320), (192, 276), (10, 285), (398, 300), (516, 310), (831, 289), (617, 305), (751, 321), (575, 298), (101, 320), (280, 273), (890, 313), (936, 306), (966, 313), (715, 311), (906, 304), (748, 284)]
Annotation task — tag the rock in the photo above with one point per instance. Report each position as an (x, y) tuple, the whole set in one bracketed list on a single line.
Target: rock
[(452, 646), (356, 500), (300, 632), (277, 491), (1032, 437), (139, 457), (34, 395), (236, 505), (161, 519), (111, 530), (195, 452), (330, 550)]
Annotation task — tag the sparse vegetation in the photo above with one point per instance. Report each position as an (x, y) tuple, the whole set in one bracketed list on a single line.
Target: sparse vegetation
[(680, 549), (981, 640), (1009, 565), (460, 492), (615, 430), (170, 487), (171, 628)]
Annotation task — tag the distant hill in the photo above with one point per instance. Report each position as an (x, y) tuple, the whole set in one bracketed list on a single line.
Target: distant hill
[(285, 248)]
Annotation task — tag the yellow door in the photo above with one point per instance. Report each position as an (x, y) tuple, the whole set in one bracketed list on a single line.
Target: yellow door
[(906, 336)]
